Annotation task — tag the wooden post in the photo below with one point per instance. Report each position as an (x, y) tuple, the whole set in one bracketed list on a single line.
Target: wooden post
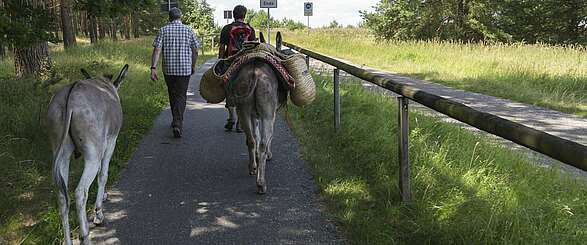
[(403, 146), (308, 61), (337, 99)]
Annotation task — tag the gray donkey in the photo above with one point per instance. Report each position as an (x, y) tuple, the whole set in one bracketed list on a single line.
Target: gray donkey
[(84, 118), (259, 95)]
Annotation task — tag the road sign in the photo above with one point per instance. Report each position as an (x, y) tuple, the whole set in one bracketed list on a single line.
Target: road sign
[(269, 4), (168, 5), (308, 9), (227, 14)]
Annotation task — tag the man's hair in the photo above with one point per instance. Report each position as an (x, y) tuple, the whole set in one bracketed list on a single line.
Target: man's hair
[(174, 14), (239, 12)]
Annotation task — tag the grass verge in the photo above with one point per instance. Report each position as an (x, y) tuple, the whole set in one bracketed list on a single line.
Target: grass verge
[(467, 190), (28, 212), (550, 76)]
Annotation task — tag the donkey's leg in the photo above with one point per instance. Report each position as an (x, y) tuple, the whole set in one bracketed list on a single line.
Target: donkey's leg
[(62, 172), (269, 153), (255, 122), (232, 117), (266, 128), (93, 158), (102, 179), (244, 114)]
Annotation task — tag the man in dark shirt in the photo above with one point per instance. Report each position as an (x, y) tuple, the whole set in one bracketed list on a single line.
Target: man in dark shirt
[(232, 37)]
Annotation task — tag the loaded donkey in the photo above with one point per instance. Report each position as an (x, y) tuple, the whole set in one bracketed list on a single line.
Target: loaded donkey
[(84, 118), (258, 81)]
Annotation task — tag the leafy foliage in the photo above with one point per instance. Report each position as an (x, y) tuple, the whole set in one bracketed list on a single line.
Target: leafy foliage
[(258, 19), (200, 16), (23, 24), (334, 24), (546, 21)]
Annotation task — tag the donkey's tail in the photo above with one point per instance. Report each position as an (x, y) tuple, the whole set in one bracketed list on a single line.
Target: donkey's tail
[(59, 156)]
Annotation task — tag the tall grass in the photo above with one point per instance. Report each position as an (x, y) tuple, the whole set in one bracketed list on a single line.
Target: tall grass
[(466, 189), (548, 76), (27, 201)]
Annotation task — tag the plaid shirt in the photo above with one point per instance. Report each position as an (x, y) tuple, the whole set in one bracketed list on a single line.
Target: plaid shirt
[(176, 40)]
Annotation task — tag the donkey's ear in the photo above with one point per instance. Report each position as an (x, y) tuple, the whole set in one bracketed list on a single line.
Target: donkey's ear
[(85, 73), (121, 76), (278, 41), (261, 37)]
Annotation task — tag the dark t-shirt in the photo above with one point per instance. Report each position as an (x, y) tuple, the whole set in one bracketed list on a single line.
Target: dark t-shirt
[(225, 33)]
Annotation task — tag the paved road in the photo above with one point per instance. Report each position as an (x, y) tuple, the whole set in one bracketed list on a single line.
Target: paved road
[(196, 190)]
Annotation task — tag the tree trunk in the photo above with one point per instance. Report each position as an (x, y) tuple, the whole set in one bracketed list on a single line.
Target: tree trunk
[(135, 26), (33, 60), (2, 51), (103, 28), (93, 26), (67, 24), (84, 24), (127, 27), (113, 30)]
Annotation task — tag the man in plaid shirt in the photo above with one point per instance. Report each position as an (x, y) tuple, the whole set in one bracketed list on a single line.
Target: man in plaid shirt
[(180, 52)]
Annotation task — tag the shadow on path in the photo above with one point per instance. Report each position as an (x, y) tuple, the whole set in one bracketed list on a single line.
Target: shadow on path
[(196, 190)]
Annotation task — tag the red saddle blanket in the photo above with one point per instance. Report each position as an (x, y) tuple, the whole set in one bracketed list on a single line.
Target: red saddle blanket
[(269, 58)]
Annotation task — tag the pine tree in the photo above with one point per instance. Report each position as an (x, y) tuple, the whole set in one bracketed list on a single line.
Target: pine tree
[(67, 24)]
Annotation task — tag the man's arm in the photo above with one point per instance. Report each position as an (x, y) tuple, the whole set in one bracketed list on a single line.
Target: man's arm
[(195, 45), (154, 61), (221, 51), (253, 36), (157, 44), (224, 39), (194, 59)]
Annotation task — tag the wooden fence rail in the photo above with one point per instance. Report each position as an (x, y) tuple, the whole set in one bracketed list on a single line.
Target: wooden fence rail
[(564, 150)]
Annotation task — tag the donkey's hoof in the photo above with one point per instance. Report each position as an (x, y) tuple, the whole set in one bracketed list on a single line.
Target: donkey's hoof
[(261, 189), (253, 172), (99, 219)]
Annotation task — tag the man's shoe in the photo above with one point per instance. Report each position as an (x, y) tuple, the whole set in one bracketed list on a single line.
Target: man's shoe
[(176, 132), (238, 128), (229, 125)]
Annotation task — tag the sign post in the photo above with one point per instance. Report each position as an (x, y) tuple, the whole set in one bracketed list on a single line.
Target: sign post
[(308, 11), (227, 15), (268, 4), (168, 5)]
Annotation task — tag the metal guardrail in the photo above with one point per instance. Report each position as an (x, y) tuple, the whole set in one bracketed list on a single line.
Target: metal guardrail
[(564, 150)]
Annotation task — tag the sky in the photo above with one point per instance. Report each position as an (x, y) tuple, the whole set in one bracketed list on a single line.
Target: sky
[(345, 12)]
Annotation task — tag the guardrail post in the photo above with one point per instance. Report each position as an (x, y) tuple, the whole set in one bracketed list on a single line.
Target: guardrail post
[(403, 144), (308, 62), (337, 99)]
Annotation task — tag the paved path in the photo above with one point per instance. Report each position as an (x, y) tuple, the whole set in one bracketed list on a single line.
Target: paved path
[(557, 123), (196, 190)]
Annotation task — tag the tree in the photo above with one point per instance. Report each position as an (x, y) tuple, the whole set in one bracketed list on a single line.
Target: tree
[(258, 19), (200, 16), (67, 24), (292, 24), (27, 26), (334, 24), (549, 21)]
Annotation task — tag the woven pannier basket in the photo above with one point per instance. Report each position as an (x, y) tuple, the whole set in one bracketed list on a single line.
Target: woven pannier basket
[(212, 86), (304, 92)]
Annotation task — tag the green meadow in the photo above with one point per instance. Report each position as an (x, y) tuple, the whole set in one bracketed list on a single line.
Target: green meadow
[(549, 76), (28, 207), (466, 189)]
